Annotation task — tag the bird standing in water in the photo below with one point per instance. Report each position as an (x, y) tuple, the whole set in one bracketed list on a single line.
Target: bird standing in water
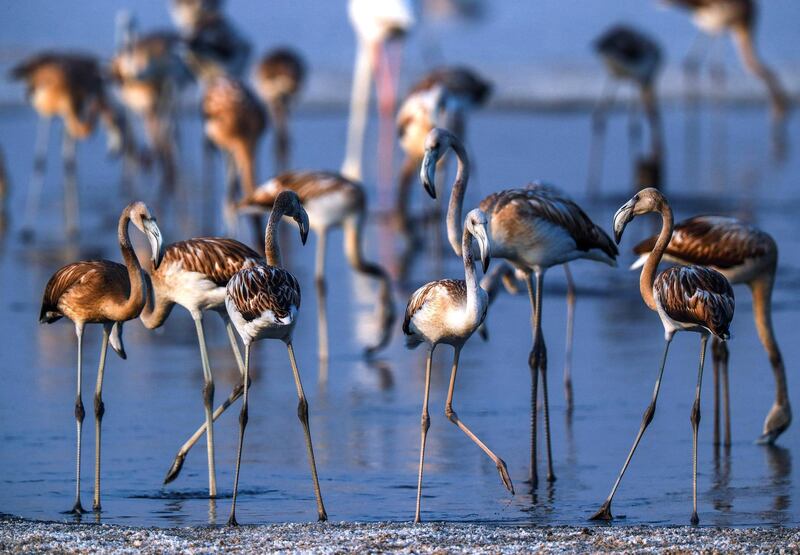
[(449, 311), (107, 293), (533, 230), (262, 302), (743, 254), (686, 298)]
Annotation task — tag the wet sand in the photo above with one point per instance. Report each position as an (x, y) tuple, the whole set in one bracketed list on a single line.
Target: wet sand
[(22, 536)]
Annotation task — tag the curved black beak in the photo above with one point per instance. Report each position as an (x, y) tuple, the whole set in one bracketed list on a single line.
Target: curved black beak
[(153, 234), (621, 218), (427, 172), (302, 223)]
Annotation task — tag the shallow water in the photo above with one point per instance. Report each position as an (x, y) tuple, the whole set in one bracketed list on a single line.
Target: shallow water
[(365, 416)]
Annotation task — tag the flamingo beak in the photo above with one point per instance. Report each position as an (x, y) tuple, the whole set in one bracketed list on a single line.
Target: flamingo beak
[(304, 226), (483, 245), (153, 234), (427, 173), (621, 218)]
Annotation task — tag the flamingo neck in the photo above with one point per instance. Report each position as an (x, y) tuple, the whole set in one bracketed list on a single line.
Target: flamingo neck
[(271, 247), (648, 276), (762, 313), (136, 297), (470, 277), (156, 307), (456, 204)]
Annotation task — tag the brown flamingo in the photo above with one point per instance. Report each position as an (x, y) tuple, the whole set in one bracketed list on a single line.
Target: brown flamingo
[(279, 76), (107, 293), (71, 86), (686, 298), (193, 274), (263, 302), (234, 122), (743, 254)]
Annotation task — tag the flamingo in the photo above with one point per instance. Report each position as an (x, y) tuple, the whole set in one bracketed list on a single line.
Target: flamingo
[(262, 302), (234, 122), (442, 97), (377, 23), (533, 230), (107, 293), (279, 77), (193, 274), (448, 311), (331, 200), (715, 17), (743, 254), (71, 86), (629, 55), (506, 275), (686, 298), (149, 73), (214, 46)]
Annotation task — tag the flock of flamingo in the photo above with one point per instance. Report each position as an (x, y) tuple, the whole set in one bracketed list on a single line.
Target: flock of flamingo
[(533, 228)]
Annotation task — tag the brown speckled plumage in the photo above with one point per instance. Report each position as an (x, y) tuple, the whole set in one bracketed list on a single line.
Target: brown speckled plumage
[(696, 295), (261, 288), (217, 258), (715, 241), (280, 73), (456, 80)]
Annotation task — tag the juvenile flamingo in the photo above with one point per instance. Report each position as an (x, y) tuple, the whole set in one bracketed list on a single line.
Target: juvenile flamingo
[(331, 200), (377, 23), (262, 302), (743, 254), (214, 46), (70, 86), (533, 230), (686, 298), (442, 98), (278, 79), (738, 17), (194, 274), (107, 293), (235, 122), (448, 311), (629, 55), (149, 73)]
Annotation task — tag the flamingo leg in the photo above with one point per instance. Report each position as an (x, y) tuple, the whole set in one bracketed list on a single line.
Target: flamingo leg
[(540, 350), (38, 175), (570, 335), (302, 414), (695, 420), (99, 411), (177, 463), (77, 508), (426, 424), (242, 426), (715, 364), (70, 185), (604, 513), (726, 399), (208, 403), (597, 147), (532, 363), (453, 417)]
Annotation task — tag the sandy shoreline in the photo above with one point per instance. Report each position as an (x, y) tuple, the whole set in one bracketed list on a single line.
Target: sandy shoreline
[(24, 536)]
